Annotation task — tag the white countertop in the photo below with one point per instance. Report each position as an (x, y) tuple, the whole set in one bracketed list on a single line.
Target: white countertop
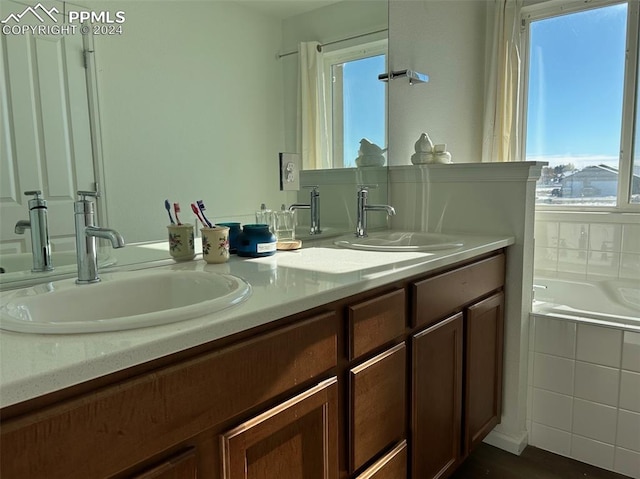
[(284, 284)]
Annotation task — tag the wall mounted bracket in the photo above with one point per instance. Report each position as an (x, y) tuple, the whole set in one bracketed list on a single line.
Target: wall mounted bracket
[(413, 76)]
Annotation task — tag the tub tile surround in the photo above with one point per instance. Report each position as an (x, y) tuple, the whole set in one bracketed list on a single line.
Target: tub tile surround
[(590, 245), (605, 416), (584, 393)]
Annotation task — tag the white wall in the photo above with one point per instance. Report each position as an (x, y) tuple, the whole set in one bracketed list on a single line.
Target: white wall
[(191, 108), (446, 40)]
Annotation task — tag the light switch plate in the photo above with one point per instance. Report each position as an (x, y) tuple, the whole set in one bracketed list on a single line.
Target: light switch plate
[(290, 171)]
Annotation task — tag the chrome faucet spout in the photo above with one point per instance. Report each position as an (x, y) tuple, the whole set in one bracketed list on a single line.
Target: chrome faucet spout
[(299, 206), (363, 208), (86, 234), (117, 241), (21, 226), (314, 207), (391, 211)]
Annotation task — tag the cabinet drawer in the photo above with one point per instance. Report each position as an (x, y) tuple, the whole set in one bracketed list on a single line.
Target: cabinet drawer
[(434, 298), (375, 322), (377, 405), (392, 465)]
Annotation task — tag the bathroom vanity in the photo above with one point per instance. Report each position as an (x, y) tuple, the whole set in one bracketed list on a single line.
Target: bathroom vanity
[(390, 372)]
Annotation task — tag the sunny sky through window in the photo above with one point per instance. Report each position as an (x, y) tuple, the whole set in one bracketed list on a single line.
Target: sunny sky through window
[(575, 106), (576, 78)]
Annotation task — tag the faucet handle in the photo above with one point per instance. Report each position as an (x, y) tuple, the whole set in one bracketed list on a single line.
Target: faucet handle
[(367, 187), (37, 202), (84, 194), (314, 190)]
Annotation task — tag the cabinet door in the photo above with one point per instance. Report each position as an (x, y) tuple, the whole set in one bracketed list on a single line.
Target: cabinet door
[(183, 466), (378, 405), (296, 439), (437, 399), (483, 364)]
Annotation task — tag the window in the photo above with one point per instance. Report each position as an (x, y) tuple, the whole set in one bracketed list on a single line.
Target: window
[(357, 99), (580, 102)]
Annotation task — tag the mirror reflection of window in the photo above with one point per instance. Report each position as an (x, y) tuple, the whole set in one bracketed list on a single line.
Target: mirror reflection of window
[(356, 100)]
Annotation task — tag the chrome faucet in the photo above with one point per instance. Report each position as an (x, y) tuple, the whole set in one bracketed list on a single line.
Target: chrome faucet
[(39, 226), (363, 207), (86, 234), (314, 207)]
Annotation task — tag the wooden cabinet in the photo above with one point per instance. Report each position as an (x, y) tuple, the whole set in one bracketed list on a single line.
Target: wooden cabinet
[(293, 440), (437, 398), (483, 364), (338, 392), (456, 364)]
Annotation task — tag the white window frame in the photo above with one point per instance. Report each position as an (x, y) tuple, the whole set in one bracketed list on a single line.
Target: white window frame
[(342, 55), (625, 159)]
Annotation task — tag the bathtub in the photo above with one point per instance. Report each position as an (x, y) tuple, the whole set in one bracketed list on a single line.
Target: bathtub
[(614, 302)]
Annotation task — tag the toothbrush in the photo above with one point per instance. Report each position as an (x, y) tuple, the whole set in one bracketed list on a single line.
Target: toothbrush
[(176, 209), (167, 205), (194, 208), (202, 208)]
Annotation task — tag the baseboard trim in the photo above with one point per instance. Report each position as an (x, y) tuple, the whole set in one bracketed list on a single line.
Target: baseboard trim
[(513, 444)]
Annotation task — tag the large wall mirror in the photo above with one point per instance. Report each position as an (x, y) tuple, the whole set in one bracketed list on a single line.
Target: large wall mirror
[(188, 100)]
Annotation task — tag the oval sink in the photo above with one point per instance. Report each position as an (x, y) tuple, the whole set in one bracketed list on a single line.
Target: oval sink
[(125, 300), (401, 241)]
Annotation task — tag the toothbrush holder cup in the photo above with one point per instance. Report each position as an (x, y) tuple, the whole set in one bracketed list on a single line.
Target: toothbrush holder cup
[(181, 242), (215, 244)]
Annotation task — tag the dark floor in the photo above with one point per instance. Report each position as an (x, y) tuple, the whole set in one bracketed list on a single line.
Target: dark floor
[(488, 462)]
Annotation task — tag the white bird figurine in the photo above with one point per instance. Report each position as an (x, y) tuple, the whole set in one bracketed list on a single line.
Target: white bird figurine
[(424, 144), (370, 149)]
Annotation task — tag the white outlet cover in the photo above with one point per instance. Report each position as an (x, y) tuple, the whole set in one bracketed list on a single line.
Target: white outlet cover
[(290, 171)]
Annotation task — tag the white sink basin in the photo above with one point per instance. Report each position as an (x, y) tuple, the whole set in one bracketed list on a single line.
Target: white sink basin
[(125, 300), (400, 241)]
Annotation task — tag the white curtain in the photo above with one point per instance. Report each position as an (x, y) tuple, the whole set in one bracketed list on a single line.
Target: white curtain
[(501, 139), (313, 134)]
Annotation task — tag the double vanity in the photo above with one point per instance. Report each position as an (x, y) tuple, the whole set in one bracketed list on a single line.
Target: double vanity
[(383, 360)]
